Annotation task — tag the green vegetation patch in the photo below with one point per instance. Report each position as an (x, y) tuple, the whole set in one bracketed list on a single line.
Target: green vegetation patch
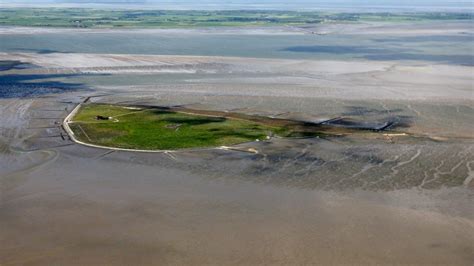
[(107, 18), (161, 129)]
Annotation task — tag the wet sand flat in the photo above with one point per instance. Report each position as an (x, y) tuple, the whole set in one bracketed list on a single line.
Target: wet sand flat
[(396, 197)]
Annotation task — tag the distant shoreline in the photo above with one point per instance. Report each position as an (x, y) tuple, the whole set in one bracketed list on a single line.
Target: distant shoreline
[(87, 18)]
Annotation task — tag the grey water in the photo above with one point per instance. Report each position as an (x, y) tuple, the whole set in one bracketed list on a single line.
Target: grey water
[(447, 49)]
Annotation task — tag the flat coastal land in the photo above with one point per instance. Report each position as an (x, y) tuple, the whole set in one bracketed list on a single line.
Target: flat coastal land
[(401, 196), (110, 18)]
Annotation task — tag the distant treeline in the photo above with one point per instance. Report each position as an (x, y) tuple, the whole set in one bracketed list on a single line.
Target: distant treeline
[(97, 18)]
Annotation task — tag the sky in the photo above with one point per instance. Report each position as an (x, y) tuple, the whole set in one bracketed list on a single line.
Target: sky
[(331, 5)]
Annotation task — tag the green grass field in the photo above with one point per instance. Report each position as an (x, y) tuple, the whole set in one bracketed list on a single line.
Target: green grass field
[(158, 129), (106, 18)]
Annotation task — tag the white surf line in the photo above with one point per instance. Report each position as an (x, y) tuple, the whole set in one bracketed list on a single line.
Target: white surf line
[(67, 120)]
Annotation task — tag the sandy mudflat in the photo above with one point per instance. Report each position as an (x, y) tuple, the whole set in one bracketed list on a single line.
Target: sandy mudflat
[(323, 78), (385, 198), (428, 28)]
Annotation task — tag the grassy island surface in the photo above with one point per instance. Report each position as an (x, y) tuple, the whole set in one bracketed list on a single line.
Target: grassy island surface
[(151, 128)]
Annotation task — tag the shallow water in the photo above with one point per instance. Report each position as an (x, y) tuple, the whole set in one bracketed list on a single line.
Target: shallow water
[(346, 46)]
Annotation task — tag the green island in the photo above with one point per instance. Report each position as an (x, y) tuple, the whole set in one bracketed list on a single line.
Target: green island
[(107, 18), (157, 128)]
